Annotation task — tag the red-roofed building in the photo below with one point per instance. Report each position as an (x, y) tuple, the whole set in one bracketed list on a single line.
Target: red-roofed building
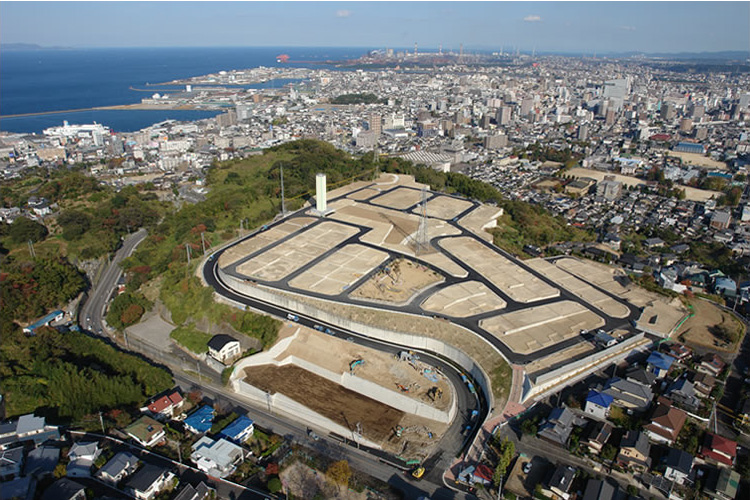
[(718, 449), (712, 364), (483, 474), (666, 422), (680, 352), (165, 407), (660, 137)]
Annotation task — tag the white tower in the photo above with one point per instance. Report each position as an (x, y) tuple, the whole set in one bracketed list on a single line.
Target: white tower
[(320, 194)]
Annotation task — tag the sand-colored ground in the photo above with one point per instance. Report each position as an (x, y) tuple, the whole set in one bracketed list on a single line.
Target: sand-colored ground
[(444, 207), (529, 330), (581, 289), (336, 355), (339, 271), (262, 240), (560, 356), (690, 193), (364, 194), (463, 299), (399, 198), (474, 347), (700, 330), (346, 189), (398, 283), (480, 219), (517, 283), (699, 160), (660, 314), (442, 262), (296, 252), (341, 405), (388, 226)]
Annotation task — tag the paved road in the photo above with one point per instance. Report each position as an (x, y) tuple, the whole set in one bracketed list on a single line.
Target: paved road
[(91, 316), (209, 383), (532, 446), (454, 439), (413, 307)]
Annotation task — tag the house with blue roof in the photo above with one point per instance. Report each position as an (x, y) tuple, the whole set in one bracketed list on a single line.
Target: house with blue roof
[(659, 363), (598, 403), (239, 430), (44, 321), (201, 420)]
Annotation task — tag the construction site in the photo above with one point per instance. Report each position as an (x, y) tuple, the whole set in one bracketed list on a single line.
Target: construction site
[(401, 263), (393, 402)]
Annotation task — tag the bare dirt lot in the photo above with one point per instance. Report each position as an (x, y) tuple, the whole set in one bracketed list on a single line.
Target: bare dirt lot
[(327, 398), (701, 329), (398, 283), (263, 239), (699, 160), (294, 253), (463, 299), (339, 271), (444, 207), (399, 199)]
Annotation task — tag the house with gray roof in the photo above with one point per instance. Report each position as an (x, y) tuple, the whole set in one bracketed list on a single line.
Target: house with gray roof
[(628, 394), (118, 468), (558, 426)]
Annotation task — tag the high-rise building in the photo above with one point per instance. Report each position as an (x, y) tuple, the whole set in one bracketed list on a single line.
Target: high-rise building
[(583, 132), (668, 111), (686, 125), (320, 194), (496, 141), (527, 105), (375, 123), (609, 118), (503, 115), (698, 111)]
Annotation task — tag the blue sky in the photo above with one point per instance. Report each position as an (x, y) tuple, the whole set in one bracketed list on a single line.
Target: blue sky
[(545, 26)]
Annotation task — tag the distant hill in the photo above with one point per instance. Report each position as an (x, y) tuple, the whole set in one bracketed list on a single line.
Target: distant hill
[(28, 46)]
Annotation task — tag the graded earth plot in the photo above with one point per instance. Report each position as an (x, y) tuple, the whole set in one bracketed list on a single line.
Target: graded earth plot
[(581, 289), (514, 281), (481, 218), (384, 369), (337, 403), (285, 258), (389, 226), (463, 299), (364, 194), (444, 207), (559, 357), (445, 264), (339, 271), (400, 198), (263, 239), (397, 282), (529, 330)]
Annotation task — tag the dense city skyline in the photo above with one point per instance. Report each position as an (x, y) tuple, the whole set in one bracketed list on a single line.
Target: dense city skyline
[(572, 27)]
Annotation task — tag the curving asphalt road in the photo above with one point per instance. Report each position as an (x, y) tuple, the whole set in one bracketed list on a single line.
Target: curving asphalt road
[(91, 316), (454, 440), (413, 307)]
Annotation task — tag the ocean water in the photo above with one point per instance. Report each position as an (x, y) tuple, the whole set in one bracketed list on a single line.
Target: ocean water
[(38, 81)]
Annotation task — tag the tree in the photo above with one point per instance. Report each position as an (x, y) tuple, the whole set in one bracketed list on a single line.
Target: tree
[(339, 472), (505, 454), (274, 485), (529, 427), (609, 452), (74, 223), (23, 230)]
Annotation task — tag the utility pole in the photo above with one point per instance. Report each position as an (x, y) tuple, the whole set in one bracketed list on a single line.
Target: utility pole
[(203, 244), (31, 249), (283, 203), (101, 421), (187, 251)]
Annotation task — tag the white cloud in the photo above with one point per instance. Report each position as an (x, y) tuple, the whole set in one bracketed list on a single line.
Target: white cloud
[(343, 13), (627, 28), (532, 19)]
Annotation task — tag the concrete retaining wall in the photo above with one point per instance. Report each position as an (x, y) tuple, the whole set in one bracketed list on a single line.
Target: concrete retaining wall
[(399, 338), (282, 404), (584, 366), (360, 386)]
